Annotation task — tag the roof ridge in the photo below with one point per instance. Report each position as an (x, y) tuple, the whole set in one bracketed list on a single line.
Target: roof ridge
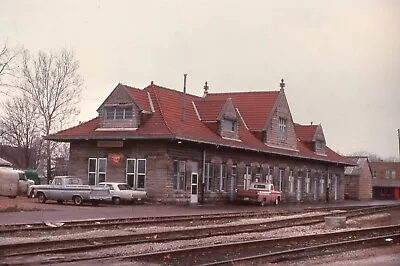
[(173, 90), (241, 92)]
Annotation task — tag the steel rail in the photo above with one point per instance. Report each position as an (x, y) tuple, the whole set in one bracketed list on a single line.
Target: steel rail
[(275, 249), (86, 244), (147, 221)]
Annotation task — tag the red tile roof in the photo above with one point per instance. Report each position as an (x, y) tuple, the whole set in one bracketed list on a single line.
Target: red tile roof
[(305, 132), (140, 97), (209, 110), (254, 107), (167, 121)]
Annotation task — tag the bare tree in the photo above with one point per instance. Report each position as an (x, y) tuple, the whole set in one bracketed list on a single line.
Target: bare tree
[(20, 127), (8, 64), (54, 85)]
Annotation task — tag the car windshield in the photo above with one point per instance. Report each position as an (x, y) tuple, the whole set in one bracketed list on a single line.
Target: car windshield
[(123, 187)]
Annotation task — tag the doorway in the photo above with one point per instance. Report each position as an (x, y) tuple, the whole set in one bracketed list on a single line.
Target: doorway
[(194, 183)]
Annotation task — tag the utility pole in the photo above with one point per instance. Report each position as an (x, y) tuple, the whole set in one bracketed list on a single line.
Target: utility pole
[(398, 135)]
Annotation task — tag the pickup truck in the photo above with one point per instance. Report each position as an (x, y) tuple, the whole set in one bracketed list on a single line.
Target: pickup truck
[(122, 192), (261, 193), (70, 188)]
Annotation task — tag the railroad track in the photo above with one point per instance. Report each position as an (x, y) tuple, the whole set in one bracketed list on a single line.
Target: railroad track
[(161, 220), (95, 243), (274, 249)]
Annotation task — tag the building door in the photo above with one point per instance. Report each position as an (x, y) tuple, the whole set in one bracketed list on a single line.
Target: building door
[(97, 168), (194, 182), (232, 188), (299, 190)]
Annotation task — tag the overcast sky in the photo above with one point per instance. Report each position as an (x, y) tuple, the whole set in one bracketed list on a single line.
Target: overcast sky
[(340, 59)]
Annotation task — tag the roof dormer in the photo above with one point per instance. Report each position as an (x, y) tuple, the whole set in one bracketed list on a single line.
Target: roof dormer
[(123, 108)]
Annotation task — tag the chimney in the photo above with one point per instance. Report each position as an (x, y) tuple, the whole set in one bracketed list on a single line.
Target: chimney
[(398, 135), (205, 89), (184, 99), (282, 84)]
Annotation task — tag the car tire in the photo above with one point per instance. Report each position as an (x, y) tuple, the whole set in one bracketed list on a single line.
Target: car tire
[(41, 197), (116, 201), (77, 200)]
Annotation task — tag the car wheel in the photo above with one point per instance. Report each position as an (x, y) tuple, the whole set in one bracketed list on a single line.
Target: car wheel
[(77, 200), (32, 194), (41, 197), (116, 201)]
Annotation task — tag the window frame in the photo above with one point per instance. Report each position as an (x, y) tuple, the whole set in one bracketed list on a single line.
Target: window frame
[(179, 183), (229, 125), (118, 113), (281, 178), (282, 128)]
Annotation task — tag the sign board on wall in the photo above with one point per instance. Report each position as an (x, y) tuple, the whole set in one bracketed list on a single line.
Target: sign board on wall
[(116, 157), (110, 144)]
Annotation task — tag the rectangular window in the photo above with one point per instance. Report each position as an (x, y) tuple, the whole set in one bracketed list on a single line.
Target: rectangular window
[(247, 178), (387, 174), (136, 173), (179, 175), (228, 125), (282, 133), (308, 182), (393, 174), (209, 177), (141, 173), (221, 179), (130, 171), (97, 169), (281, 179), (118, 113), (291, 181), (269, 177)]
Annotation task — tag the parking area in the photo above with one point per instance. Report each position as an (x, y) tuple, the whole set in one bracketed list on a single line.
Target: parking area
[(24, 210)]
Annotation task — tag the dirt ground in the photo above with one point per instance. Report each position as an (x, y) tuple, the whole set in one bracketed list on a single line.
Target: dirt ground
[(16, 204)]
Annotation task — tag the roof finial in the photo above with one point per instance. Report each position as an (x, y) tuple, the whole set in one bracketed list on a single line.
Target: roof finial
[(205, 89), (282, 84)]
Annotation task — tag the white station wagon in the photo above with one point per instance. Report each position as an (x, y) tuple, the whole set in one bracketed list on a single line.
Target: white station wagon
[(123, 192)]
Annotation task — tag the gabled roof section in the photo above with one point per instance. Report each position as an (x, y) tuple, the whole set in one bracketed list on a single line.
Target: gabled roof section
[(140, 97), (255, 107), (209, 110), (305, 132)]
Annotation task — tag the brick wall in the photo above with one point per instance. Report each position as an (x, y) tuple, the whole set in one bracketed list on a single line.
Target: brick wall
[(159, 165), (282, 111)]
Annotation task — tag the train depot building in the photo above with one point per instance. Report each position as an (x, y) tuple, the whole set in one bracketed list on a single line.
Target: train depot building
[(184, 149)]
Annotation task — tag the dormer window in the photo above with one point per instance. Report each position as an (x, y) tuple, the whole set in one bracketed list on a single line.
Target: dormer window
[(228, 125), (118, 113), (282, 129)]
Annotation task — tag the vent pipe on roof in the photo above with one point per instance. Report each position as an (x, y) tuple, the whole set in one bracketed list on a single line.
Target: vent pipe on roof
[(398, 135), (184, 99)]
